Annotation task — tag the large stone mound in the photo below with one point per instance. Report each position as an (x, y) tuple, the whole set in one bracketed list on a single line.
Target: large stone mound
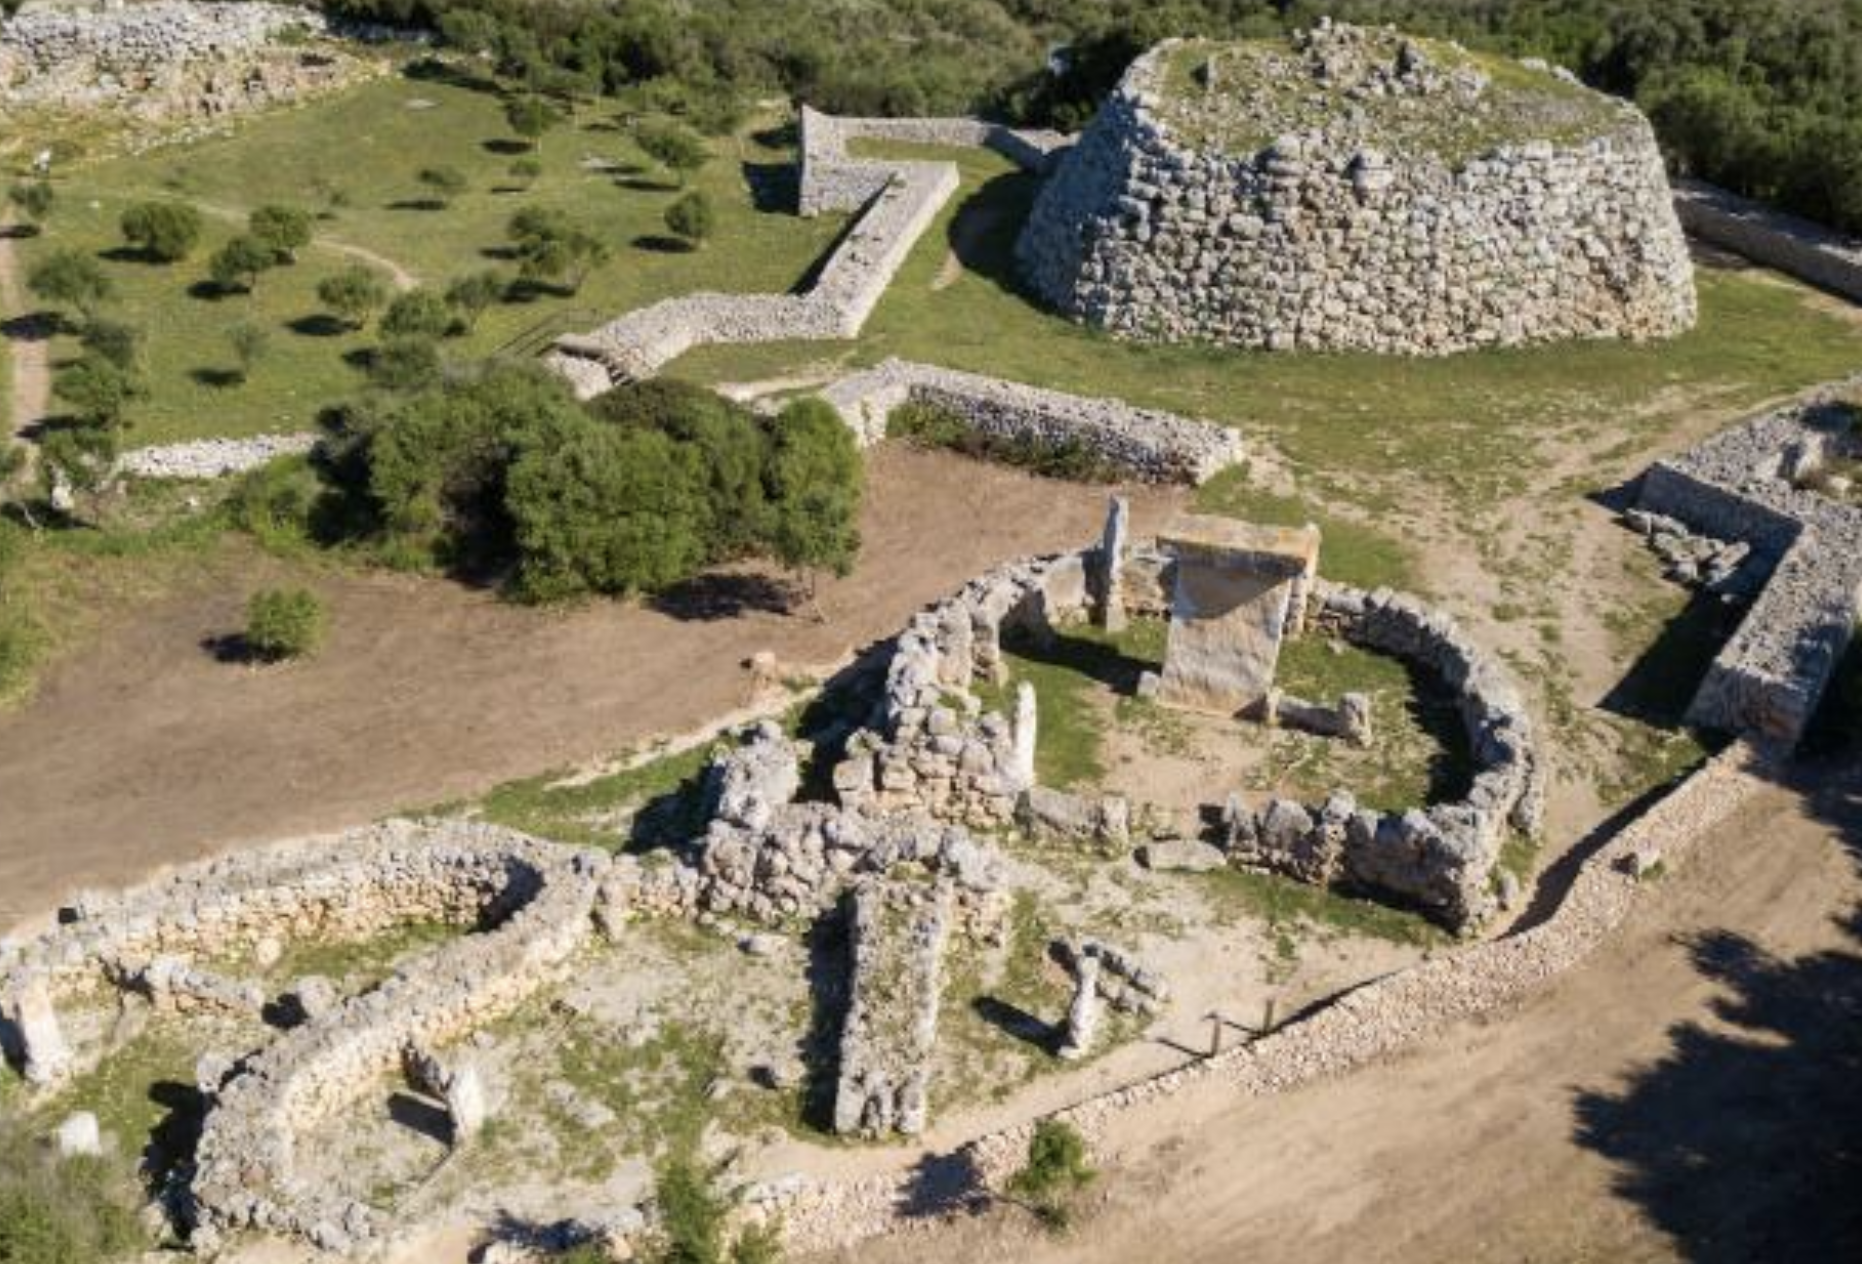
[(1355, 189)]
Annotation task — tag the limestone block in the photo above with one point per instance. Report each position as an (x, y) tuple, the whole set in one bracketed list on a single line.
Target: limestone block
[(78, 1135)]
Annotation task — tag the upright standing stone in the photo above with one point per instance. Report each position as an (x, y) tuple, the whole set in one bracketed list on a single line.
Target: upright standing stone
[(1023, 736), (1112, 546), (1239, 589), (1083, 1014), (38, 1040), (78, 1135)]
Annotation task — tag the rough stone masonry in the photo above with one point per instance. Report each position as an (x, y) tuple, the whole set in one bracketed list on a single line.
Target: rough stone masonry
[(1356, 228)]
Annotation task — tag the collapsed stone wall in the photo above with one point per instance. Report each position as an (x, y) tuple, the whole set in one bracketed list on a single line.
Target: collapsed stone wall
[(532, 899), (930, 746), (1797, 247), (1440, 858), (212, 458), (896, 938), (169, 58), (1150, 444), (1319, 242), (1755, 483)]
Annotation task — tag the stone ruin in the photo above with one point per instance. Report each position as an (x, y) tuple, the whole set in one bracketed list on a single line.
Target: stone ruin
[(1764, 485), (932, 746), (1359, 191), (897, 933)]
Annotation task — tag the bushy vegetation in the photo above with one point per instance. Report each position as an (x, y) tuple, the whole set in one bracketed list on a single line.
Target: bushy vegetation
[(1056, 1170), (692, 1214), (1755, 94), (162, 232), (284, 623), (56, 1211), (504, 472)]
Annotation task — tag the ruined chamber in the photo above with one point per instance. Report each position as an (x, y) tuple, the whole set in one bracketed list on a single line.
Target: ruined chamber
[(1359, 190)]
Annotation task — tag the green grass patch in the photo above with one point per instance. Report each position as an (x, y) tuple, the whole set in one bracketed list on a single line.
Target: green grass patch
[(649, 805), (1290, 909), (1069, 728), (1349, 552)]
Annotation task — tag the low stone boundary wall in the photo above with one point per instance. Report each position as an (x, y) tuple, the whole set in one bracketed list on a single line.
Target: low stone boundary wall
[(1746, 484), (1808, 251), (1152, 445), (1365, 1025), (213, 458), (896, 940), (834, 180)]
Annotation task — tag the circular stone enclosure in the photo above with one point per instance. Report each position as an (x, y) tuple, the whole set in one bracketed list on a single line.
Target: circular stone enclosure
[(1355, 189)]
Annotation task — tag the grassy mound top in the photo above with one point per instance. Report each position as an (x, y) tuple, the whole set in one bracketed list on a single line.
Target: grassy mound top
[(1367, 88)]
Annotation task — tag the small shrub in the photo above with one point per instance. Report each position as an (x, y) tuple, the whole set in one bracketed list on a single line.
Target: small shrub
[(417, 314), (470, 296), (239, 263), (249, 343), (405, 364), (673, 146), (526, 171), (70, 278), (285, 229), (691, 218), (33, 200), (283, 623), (113, 341), (1055, 1171), (444, 183), (355, 294)]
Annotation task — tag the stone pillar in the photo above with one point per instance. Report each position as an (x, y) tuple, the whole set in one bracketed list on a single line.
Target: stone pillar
[(1112, 546), (1021, 773), (466, 1102), (1083, 1014), (1232, 602), (29, 1023)]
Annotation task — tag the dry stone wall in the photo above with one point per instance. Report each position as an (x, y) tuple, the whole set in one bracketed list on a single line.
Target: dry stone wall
[(834, 180), (212, 458), (1152, 445), (1756, 483), (896, 938), (1319, 242), (1807, 251)]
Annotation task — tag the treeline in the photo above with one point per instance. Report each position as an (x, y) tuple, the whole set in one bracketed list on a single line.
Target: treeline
[(1758, 95)]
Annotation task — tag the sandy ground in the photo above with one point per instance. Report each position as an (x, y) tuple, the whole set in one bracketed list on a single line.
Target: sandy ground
[(1688, 1093), (143, 749)]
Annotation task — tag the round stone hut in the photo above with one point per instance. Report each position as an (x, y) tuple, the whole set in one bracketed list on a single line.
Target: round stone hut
[(1357, 189)]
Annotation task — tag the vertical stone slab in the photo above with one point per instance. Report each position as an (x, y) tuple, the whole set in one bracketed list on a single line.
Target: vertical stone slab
[(29, 1024), (1022, 735), (1232, 602), (1112, 546), (1083, 1013)]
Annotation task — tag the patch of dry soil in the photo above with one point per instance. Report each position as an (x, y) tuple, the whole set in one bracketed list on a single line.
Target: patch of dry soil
[(142, 749)]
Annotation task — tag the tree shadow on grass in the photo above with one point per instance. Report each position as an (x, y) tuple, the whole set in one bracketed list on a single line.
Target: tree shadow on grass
[(216, 379), (318, 325), (1012, 1020), (661, 244), (505, 147), (643, 184), (417, 204)]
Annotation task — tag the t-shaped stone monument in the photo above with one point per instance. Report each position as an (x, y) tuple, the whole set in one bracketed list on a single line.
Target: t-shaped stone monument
[(1239, 589)]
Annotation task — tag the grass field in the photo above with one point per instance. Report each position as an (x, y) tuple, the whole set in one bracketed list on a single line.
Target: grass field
[(366, 147)]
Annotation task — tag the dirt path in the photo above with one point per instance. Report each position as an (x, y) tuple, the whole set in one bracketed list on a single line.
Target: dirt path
[(142, 749), (28, 339), (1683, 1095)]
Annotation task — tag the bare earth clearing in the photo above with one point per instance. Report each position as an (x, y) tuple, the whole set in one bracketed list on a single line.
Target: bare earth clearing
[(143, 750)]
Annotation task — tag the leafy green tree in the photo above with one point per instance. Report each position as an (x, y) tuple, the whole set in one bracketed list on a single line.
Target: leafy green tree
[(405, 364), (114, 341), (443, 184), (284, 229), (355, 294), (99, 391), (814, 483), (164, 232), (551, 248), (249, 343), (471, 296), (691, 219), (76, 460), (605, 510), (283, 623), (672, 146), (531, 117), (417, 314), (33, 200), (70, 278), (238, 264)]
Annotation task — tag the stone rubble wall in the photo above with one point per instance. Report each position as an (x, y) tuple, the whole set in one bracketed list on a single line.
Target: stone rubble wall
[(1440, 858), (1311, 246), (1769, 677), (896, 938), (212, 458), (142, 38), (534, 898), (1369, 1024), (1152, 445), (1797, 247), (834, 180)]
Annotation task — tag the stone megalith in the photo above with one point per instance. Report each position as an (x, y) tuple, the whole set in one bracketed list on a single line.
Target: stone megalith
[(31, 1033), (1110, 578), (1083, 1013), (1239, 589)]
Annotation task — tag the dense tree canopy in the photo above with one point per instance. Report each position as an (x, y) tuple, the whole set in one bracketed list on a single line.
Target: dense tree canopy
[(1761, 95)]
